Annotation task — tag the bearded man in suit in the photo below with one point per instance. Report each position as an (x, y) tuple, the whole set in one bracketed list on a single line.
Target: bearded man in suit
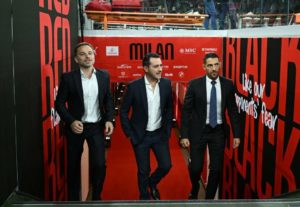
[(204, 123)]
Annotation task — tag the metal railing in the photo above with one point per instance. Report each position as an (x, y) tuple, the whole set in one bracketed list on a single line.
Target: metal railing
[(234, 14)]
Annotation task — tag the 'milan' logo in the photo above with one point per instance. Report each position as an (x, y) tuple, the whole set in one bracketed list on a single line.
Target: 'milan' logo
[(138, 50)]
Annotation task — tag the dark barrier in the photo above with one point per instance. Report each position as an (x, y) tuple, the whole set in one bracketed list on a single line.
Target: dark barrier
[(8, 172), (36, 43), (228, 203), (27, 89), (291, 195), (20, 199)]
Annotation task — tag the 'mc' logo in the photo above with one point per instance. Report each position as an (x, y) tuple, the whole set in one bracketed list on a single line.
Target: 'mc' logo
[(138, 50), (188, 50)]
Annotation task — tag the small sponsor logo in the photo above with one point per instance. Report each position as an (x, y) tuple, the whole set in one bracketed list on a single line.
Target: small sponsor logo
[(209, 49), (180, 66), (124, 66), (169, 74), (112, 50), (181, 74), (189, 51), (137, 75), (123, 75)]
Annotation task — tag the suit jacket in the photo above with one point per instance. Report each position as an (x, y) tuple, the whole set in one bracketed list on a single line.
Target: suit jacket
[(136, 98), (70, 91), (194, 112)]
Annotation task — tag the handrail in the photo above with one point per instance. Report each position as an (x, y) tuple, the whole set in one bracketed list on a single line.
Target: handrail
[(265, 15), (262, 18), (138, 17), (297, 18)]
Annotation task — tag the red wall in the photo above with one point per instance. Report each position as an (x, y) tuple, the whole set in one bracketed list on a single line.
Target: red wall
[(266, 74), (181, 56)]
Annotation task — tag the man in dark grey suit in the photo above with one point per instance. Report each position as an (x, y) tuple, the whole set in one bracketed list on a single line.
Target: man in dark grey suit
[(204, 123), (150, 123), (87, 115)]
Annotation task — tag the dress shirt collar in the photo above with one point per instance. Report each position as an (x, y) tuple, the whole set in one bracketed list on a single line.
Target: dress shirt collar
[(147, 82), (210, 80), (82, 74)]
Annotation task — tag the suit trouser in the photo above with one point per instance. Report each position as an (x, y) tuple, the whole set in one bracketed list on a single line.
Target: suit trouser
[(215, 140), (152, 140), (93, 133)]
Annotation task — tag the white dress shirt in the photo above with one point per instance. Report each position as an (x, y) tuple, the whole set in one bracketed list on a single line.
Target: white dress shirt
[(154, 111), (90, 98), (219, 100)]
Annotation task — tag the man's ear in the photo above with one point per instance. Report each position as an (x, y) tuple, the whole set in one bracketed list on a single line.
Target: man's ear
[(75, 59), (146, 68)]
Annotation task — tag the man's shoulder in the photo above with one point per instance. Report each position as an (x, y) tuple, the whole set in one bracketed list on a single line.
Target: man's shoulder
[(70, 73), (226, 80), (136, 82), (197, 80), (101, 71), (165, 80), (135, 85)]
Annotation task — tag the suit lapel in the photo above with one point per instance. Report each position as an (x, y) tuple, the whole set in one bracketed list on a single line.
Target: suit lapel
[(161, 93), (101, 86), (203, 92), (203, 89), (77, 77), (144, 94), (223, 94)]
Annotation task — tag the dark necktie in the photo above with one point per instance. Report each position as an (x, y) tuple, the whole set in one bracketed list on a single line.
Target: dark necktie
[(213, 105)]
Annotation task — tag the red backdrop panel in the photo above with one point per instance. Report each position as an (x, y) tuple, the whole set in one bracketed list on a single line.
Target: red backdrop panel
[(181, 56)]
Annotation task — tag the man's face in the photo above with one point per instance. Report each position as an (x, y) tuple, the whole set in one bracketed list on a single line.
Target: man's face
[(153, 71), (85, 57), (212, 67)]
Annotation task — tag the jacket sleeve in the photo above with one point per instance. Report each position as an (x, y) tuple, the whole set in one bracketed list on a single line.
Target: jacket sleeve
[(108, 103), (61, 99), (234, 116), (187, 110), (169, 107), (124, 111)]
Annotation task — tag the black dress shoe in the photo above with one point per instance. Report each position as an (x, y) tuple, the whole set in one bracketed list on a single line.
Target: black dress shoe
[(194, 192), (154, 193), (193, 196)]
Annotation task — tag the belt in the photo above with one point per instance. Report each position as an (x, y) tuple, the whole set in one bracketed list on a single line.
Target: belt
[(208, 127), (90, 123), (154, 131)]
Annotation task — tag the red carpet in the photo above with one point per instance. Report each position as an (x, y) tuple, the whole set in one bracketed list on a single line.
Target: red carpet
[(121, 176)]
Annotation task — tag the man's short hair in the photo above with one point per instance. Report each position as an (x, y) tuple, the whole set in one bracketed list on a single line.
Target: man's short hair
[(146, 59), (80, 45), (210, 55)]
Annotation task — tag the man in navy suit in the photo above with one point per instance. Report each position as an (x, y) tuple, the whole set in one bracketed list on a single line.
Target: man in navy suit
[(204, 123), (87, 115), (150, 123)]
